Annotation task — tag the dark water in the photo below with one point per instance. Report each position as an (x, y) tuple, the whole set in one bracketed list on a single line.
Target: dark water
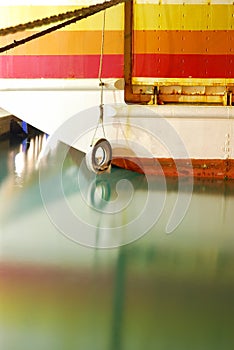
[(162, 291)]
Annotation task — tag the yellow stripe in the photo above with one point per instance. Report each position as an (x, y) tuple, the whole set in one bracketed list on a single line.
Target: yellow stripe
[(11, 16), (183, 81), (183, 17), (147, 17)]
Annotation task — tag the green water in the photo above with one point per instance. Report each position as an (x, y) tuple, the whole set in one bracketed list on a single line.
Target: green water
[(162, 291)]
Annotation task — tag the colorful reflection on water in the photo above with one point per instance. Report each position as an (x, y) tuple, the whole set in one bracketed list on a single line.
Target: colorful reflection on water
[(159, 292)]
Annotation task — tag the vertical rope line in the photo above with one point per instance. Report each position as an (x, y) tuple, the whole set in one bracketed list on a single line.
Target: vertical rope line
[(101, 56), (100, 70), (101, 84)]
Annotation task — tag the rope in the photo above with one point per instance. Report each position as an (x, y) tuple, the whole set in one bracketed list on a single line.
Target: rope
[(40, 22), (76, 16), (102, 50), (58, 18), (100, 80), (100, 70)]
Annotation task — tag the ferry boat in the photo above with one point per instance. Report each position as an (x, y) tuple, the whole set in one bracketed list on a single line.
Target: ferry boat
[(146, 85)]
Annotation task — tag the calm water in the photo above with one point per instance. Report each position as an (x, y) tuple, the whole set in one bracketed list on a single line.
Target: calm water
[(162, 291)]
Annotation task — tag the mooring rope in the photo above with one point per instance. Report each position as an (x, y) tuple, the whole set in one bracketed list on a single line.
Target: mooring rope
[(70, 16), (101, 84), (100, 70), (102, 51)]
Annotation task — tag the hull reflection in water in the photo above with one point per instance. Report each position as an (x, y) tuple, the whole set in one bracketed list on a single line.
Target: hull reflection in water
[(160, 292)]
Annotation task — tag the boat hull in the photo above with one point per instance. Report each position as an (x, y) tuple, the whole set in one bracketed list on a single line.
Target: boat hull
[(176, 58), (172, 134), (222, 169)]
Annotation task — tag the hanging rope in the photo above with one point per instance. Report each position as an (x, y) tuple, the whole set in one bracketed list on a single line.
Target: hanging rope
[(102, 50), (100, 70), (101, 84), (72, 16)]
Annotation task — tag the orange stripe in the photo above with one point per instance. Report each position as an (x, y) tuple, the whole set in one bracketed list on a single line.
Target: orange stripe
[(184, 42), (68, 43), (89, 42)]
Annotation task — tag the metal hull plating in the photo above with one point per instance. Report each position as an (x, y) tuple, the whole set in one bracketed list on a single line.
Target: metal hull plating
[(181, 69)]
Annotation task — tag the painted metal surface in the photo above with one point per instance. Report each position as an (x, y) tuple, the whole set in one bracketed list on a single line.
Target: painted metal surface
[(184, 39), (182, 52), (73, 52), (172, 39)]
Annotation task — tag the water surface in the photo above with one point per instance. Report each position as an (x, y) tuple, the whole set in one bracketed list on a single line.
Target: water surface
[(162, 291)]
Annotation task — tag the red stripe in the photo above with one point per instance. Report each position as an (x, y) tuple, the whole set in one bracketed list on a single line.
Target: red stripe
[(183, 66), (60, 66), (145, 65)]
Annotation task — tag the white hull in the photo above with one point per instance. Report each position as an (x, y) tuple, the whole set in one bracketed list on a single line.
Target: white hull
[(165, 131)]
